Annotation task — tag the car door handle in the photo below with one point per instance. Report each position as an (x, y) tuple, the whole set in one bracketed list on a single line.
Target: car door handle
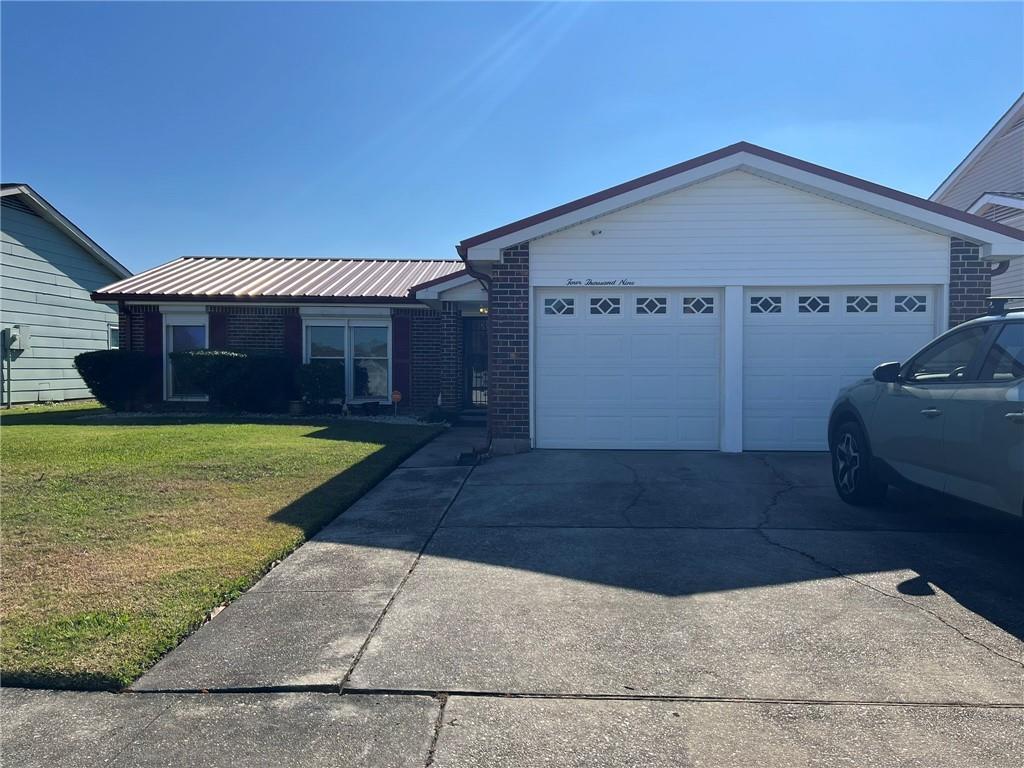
[(931, 413), (1015, 416)]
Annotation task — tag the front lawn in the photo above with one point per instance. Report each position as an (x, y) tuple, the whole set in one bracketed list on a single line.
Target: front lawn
[(117, 538)]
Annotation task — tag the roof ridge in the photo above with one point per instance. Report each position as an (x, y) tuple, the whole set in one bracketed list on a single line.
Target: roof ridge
[(320, 258)]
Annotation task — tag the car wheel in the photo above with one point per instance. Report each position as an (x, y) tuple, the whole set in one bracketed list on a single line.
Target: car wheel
[(855, 481)]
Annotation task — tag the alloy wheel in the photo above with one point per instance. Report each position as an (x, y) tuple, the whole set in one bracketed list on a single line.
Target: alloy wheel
[(847, 463)]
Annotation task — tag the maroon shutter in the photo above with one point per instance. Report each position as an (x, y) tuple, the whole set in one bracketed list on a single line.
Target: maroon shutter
[(218, 330), (293, 339), (401, 363), (153, 348)]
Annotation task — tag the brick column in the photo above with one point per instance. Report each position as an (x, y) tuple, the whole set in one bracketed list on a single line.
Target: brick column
[(508, 400), (970, 282), (452, 381)]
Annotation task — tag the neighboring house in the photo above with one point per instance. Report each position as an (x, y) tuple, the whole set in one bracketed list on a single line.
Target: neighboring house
[(48, 268), (718, 304), (990, 182)]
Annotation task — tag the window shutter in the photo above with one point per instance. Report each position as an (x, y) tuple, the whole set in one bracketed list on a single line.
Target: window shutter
[(293, 339), (153, 348), (401, 364), (218, 330)]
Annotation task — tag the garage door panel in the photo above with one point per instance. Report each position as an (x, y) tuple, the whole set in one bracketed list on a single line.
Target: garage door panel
[(794, 363), (609, 346), (701, 347), (648, 389), (697, 390), (633, 380), (646, 347)]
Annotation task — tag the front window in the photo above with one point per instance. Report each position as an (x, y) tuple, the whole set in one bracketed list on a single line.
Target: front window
[(360, 353), (182, 337), (370, 362), (947, 360), (113, 337)]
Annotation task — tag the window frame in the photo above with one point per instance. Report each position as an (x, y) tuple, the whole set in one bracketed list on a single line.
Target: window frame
[(171, 319), (111, 329), (614, 297), (348, 323), (973, 366)]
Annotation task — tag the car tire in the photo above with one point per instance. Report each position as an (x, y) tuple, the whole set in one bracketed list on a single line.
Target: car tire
[(855, 480)]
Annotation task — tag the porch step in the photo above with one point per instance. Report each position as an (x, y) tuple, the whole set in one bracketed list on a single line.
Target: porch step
[(473, 418)]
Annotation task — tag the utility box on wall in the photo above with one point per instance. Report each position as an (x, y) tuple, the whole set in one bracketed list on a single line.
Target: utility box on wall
[(19, 338)]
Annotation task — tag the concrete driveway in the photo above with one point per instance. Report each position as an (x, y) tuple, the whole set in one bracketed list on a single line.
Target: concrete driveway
[(622, 608)]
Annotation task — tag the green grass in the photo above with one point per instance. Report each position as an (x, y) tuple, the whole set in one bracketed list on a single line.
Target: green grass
[(118, 537)]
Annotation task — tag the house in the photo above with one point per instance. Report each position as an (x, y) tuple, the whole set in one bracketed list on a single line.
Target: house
[(49, 268), (718, 304), (989, 182)]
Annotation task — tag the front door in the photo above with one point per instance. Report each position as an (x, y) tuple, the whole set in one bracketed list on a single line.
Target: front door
[(474, 342), (910, 421)]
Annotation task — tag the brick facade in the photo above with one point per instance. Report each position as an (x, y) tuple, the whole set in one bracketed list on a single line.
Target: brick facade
[(255, 330), (425, 357), (453, 386), (508, 404), (970, 282)]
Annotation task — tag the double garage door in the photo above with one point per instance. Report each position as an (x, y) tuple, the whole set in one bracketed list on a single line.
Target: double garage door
[(642, 369)]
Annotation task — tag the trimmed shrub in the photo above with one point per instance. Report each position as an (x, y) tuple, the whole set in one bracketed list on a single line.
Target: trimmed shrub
[(321, 382), (235, 381), (117, 378)]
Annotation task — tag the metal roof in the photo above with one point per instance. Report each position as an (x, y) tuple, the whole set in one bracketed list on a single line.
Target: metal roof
[(219, 278)]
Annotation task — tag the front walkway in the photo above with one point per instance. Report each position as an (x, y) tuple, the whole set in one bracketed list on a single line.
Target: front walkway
[(597, 609)]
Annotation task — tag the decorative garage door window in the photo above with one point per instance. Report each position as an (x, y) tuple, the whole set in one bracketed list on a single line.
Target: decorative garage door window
[(559, 306), (698, 305), (605, 305), (765, 305), (651, 305), (861, 304), (911, 303), (813, 304)]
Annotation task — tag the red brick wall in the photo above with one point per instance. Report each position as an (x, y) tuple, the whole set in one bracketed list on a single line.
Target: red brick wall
[(256, 330), (424, 357), (970, 282), (453, 388), (508, 404)]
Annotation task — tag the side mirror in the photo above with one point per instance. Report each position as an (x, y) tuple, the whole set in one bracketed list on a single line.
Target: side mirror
[(887, 372)]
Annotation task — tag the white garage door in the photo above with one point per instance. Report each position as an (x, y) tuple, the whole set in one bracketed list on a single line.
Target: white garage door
[(627, 369), (801, 345)]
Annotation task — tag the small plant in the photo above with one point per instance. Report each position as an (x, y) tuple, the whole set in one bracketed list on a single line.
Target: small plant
[(322, 384), (118, 378)]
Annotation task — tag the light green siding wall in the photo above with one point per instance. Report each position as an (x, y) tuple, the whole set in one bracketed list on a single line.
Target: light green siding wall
[(45, 282)]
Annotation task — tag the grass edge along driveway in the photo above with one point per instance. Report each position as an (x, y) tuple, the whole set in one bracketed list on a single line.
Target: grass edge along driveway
[(119, 536)]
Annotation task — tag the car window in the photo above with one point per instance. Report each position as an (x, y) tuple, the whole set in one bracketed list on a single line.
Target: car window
[(947, 360), (1005, 361)]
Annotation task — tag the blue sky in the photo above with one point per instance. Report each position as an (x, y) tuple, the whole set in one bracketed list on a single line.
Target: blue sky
[(396, 130)]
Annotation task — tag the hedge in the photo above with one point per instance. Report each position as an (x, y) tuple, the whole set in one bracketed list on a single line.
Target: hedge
[(118, 378), (236, 381), (322, 383)]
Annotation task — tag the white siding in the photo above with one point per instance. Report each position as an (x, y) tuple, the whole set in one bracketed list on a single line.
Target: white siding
[(739, 228), (1011, 282), (1000, 168), (45, 282)]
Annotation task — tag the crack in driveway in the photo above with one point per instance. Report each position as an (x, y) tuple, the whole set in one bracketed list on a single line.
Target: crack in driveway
[(762, 529)]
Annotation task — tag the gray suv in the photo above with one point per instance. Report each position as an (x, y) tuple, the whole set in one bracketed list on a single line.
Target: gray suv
[(951, 418)]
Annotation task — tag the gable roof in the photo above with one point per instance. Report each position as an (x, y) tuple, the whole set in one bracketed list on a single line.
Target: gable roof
[(766, 162), (243, 278), (1011, 118), (37, 203)]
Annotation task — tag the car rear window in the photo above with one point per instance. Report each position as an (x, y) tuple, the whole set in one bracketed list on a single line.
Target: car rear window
[(1005, 361)]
